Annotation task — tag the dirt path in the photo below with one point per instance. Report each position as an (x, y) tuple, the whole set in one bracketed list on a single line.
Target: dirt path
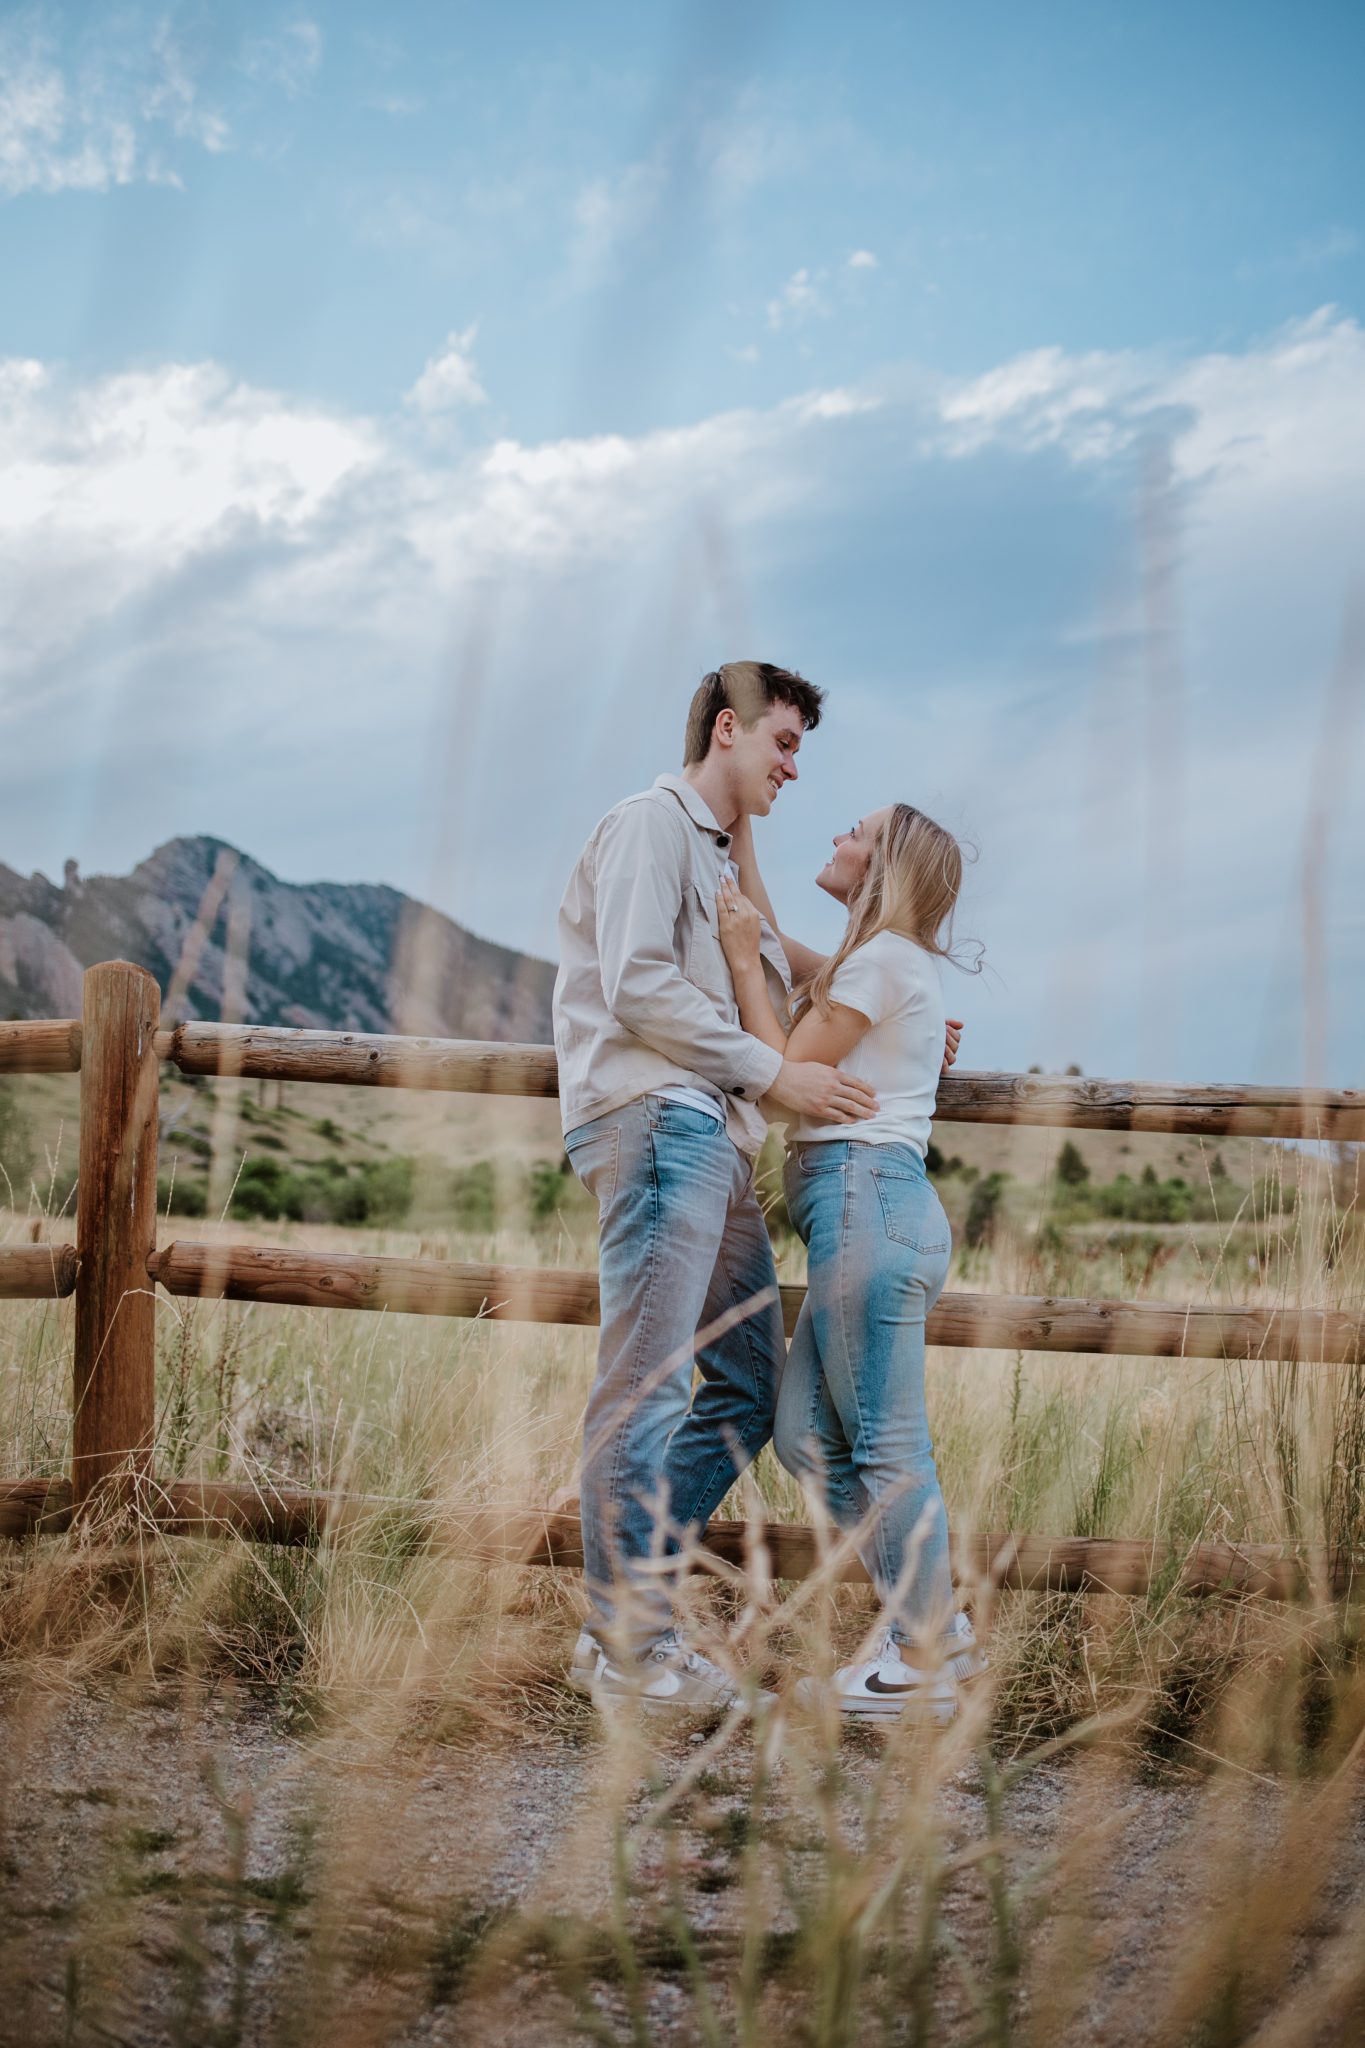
[(183, 1870)]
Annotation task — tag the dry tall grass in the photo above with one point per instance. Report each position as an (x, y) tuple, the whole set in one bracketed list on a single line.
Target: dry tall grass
[(789, 1884)]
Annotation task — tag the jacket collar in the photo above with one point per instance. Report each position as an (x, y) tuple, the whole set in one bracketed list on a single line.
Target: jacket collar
[(696, 808)]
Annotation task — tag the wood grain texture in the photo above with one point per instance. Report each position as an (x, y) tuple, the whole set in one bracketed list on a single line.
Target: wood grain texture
[(435, 1287), (1059, 1101), (114, 1367), (361, 1059), (424, 1287), (1071, 1102), (785, 1550), (39, 1272), (40, 1046)]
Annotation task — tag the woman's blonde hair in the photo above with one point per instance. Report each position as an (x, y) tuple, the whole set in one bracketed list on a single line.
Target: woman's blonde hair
[(910, 886)]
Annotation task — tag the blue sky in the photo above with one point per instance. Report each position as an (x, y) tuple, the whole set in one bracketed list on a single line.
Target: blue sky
[(401, 408)]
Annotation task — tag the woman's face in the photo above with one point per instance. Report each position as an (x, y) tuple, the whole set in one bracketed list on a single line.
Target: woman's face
[(847, 865)]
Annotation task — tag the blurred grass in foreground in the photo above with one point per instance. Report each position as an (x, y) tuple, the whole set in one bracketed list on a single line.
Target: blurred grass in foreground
[(807, 1886)]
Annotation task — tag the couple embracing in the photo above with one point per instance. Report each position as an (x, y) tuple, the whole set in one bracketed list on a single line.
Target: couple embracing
[(680, 1008)]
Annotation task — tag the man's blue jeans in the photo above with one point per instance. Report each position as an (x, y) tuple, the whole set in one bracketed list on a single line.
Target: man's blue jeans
[(683, 1245), (851, 1420)]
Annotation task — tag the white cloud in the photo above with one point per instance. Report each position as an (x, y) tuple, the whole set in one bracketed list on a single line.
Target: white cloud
[(608, 213), (863, 259), (180, 542), (800, 299), (109, 488), (1286, 414), (112, 490), (1047, 398), (96, 121), (287, 59), (835, 405), (171, 95), (450, 378)]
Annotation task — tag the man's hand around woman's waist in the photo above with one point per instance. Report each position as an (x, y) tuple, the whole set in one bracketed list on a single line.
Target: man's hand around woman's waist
[(824, 1094)]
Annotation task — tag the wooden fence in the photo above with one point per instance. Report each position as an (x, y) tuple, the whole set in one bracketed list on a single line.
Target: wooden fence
[(114, 1269)]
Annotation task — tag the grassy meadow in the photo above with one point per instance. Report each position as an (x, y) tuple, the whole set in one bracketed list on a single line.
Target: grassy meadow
[(255, 1795)]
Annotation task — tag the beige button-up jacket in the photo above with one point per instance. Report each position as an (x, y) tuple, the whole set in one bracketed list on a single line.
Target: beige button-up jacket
[(643, 999)]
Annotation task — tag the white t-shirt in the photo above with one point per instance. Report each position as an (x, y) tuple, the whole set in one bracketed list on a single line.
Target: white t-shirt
[(894, 984)]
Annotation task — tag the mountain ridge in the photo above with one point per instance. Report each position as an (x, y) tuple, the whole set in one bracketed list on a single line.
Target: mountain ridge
[(226, 938)]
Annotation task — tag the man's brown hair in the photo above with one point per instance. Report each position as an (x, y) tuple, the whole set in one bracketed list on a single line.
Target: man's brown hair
[(748, 688)]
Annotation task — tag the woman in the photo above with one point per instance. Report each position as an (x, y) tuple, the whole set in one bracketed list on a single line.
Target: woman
[(851, 1420)]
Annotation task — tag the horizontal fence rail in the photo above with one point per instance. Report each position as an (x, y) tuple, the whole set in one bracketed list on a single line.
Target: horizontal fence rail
[(785, 1550), (538, 1294), (43, 1272), (40, 1046), (113, 1272), (377, 1060), (281, 1275)]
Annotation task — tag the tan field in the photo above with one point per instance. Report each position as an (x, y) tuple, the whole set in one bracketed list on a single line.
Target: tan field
[(269, 1795)]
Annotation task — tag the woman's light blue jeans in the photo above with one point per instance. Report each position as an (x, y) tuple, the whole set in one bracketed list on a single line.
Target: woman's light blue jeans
[(851, 1421)]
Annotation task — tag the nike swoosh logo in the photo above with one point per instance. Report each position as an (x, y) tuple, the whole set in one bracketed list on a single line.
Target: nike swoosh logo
[(874, 1684)]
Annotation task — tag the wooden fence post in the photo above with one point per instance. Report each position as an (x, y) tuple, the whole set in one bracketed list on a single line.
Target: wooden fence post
[(115, 1364)]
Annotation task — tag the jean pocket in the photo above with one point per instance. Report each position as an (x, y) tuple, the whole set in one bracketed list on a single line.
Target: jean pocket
[(594, 1154), (681, 1120), (813, 1159), (912, 1212)]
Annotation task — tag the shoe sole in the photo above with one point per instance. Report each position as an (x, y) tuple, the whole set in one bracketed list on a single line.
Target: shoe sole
[(606, 1697), (931, 1715), (898, 1708), (606, 1701)]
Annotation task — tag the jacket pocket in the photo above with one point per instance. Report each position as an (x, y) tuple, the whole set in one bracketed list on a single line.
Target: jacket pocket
[(706, 962)]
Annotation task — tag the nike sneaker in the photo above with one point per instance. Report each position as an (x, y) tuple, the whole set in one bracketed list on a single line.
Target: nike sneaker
[(963, 1657), (670, 1676), (585, 1662), (885, 1688)]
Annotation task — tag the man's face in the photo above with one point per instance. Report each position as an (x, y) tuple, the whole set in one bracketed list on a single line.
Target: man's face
[(763, 758)]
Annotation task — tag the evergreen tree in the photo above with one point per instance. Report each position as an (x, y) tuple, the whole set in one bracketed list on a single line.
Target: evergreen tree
[(1072, 1170)]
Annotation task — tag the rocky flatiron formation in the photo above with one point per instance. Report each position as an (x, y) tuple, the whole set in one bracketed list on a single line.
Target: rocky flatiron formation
[(227, 939)]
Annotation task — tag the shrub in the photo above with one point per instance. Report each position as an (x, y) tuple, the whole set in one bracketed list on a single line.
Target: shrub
[(181, 1194), (259, 1190), (545, 1188), (474, 1197), (378, 1193), (983, 1210), (1148, 1200), (387, 1185), (1072, 1170)]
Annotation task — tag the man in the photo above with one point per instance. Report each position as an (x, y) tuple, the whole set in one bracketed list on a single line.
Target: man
[(659, 1093)]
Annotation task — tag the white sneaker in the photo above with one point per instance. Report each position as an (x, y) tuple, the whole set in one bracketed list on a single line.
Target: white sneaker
[(585, 1662), (885, 1688), (963, 1657), (669, 1675)]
